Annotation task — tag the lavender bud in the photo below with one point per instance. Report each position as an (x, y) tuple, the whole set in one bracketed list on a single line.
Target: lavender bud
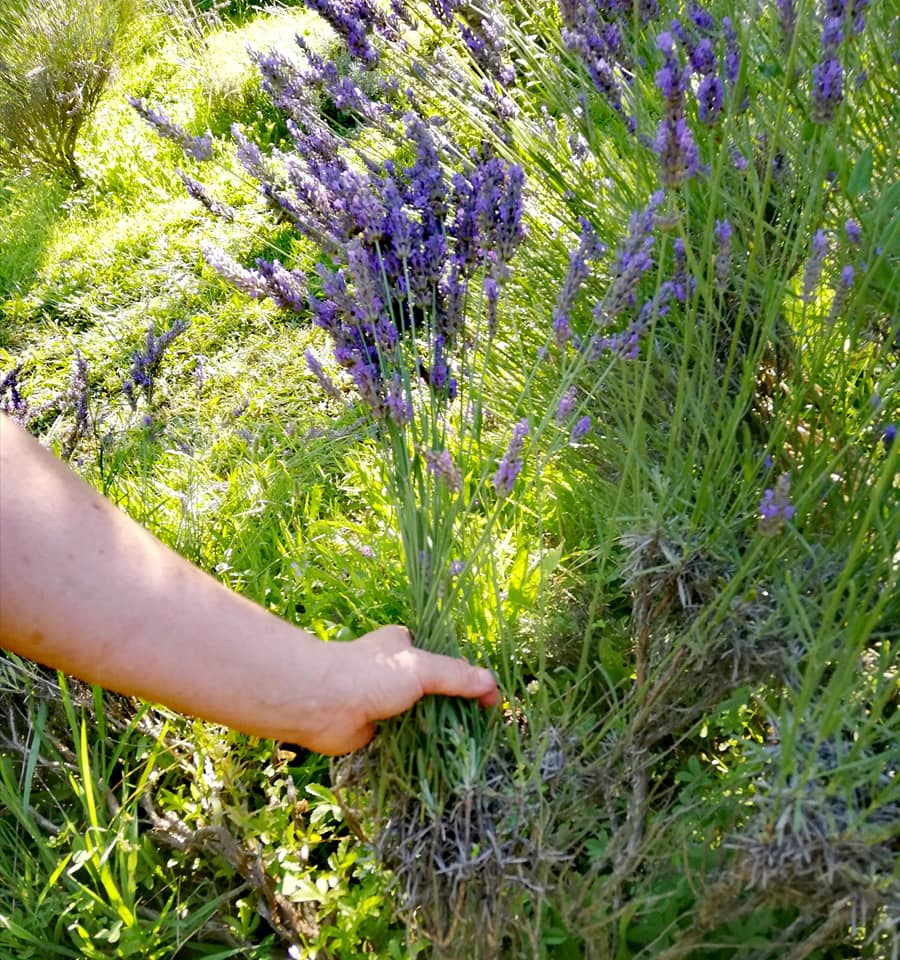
[(441, 465), (200, 148), (580, 430), (812, 272), (511, 465), (325, 382), (196, 190)]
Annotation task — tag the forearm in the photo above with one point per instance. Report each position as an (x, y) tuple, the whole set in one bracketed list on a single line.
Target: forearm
[(85, 589)]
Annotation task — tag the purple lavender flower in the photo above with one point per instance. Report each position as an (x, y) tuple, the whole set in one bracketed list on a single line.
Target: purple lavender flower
[(889, 435), (838, 301), (511, 465), (248, 281), (854, 232), (567, 404), (440, 464), (775, 508), (633, 259), (732, 52), (198, 192), (710, 99), (581, 429), (11, 400), (457, 567), (353, 20), (674, 144), (589, 248), (147, 362), (812, 272), (828, 89), (683, 284), (722, 266), (397, 403), (325, 382), (738, 160), (787, 17), (287, 288), (200, 148)]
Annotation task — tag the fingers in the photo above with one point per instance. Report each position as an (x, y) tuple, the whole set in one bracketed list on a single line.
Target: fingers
[(455, 678)]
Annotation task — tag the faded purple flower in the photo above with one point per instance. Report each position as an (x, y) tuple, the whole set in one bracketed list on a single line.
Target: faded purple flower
[(812, 272), (589, 248), (511, 465), (854, 232), (828, 89), (775, 508), (441, 465), (397, 403), (889, 435), (200, 148), (567, 405), (248, 281), (325, 382), (198, 192)]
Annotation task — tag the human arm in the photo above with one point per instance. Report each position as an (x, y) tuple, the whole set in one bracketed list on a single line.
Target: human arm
[(85, 589)]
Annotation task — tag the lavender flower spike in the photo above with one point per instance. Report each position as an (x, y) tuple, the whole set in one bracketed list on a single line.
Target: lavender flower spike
[(441, 464), (511, 465), (813, 270), (325, 382), (196, 190), (200, 148), (248, 281), (722, 266)]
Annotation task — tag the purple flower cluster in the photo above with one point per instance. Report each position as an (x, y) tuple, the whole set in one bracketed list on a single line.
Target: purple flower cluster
[(11, 400), (325, 382), (674, 144), (812, 272), (589, 249), (683, 283), (354, 21), (440, 464), (405, 244), (146, 363), (775, 508), (200, 148), (597, 32), (75, 399), (787, 18), (632, 260), (722, 265), (828, 74), (270, 279), (196, 190), (511, 464)]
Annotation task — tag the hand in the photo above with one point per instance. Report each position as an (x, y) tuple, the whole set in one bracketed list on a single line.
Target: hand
[(382, 674)]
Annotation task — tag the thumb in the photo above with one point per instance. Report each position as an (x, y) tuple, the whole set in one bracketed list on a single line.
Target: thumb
[(452, 677)]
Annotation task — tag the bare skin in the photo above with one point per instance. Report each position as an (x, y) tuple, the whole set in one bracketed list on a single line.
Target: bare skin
[(85, 589)]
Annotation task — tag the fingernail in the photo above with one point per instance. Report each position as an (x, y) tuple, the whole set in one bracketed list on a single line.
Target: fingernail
[(486, 677)]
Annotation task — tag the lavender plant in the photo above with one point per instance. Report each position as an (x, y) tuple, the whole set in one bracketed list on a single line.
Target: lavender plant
[(55, 62), (645, 385)]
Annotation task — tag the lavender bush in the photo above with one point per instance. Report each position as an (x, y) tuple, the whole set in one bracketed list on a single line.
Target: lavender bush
[(55, 63), (615, 264)]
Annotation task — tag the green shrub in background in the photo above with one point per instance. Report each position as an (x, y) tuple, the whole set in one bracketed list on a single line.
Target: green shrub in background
[(55, 62)]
